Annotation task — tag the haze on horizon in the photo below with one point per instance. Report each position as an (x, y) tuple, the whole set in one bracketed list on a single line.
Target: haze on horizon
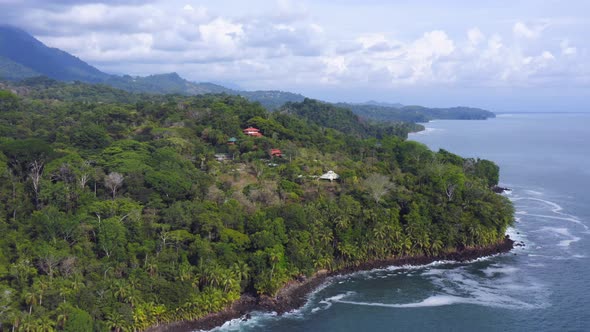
[(504, 56)]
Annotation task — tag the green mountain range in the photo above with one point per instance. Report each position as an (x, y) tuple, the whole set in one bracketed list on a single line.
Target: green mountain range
[(22, 56)]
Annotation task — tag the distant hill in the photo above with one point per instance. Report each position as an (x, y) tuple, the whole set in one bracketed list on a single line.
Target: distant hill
[(343, 119), (416, 113), (170, 83), (12, 70), (271, 100), (379, 103)]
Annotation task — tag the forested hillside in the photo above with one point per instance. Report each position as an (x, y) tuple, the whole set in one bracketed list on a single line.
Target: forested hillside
[(121, 211), (380, 112), (344, 120)]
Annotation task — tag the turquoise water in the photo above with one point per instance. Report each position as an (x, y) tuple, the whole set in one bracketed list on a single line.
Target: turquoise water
[(544, 286)]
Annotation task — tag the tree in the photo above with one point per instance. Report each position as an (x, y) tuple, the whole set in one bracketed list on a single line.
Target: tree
[(78, 320), (113, 182), (31, 299), (116, 321), (378, 186), (111, 236), (8, 101), (36, 170)]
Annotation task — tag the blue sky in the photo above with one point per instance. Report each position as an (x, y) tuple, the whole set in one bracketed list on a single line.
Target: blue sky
[(514, 55)]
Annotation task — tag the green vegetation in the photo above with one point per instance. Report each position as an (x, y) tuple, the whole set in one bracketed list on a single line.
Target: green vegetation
[(10, 70), (115, 214), (344, 120)]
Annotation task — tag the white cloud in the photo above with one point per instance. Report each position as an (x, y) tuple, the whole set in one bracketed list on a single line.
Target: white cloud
[(566, 49), (222, 35), (285, 44), (522, 30), (475, 36)]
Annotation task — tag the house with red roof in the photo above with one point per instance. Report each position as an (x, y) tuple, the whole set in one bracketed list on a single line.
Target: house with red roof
[(251, 131), (276, 153)]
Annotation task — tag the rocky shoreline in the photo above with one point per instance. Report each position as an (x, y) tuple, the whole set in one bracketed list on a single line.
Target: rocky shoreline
[(295, 293)]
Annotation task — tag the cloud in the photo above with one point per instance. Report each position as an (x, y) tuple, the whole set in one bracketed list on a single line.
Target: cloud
[(288, 44), (566, 49), (522, 30), (475, 36)]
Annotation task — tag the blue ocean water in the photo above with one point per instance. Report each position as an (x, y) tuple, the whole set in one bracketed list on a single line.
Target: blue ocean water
[(543, 286)]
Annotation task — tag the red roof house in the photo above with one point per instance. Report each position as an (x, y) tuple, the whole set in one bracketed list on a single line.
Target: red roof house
[(251, 131), (276, 153)]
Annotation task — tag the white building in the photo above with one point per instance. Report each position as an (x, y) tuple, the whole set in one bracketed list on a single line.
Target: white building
[(330, 175)]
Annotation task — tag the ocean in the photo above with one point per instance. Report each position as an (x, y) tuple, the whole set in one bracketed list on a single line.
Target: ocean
[(541, 286)]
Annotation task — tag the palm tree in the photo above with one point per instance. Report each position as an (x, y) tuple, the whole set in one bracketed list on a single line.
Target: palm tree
[(436, 246), (212, 275), (227, 280), (132, 297), (185, 272), (342, 222), (139, 318), (31, 299), (116, 321), (152, 269), (16, 318), (64, 291), (121, 290), (323, 262), (158, 311), (29, 324), (40, 287), (45, 324), (241, 271), (325, 237), (274, 257), (380, 232), (346, 251), (62, 315), (406, 245)]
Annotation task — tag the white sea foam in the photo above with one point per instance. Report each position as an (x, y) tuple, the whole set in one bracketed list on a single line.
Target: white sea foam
[(562, 232), (516, 235), (554, 208), (433, 301), (239, 324), (426, 131), (442, 300), (492, 270)]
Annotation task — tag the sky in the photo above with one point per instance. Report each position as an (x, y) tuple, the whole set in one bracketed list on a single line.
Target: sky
[(517, 55)]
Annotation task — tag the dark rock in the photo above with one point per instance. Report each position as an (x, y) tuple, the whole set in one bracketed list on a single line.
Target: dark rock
[(499, 190)]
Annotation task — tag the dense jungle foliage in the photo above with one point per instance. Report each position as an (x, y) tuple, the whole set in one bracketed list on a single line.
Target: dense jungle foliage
[(116, 215)]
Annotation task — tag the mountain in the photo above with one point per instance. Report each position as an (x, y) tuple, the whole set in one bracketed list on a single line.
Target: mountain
[(24, 57), (33, 57)]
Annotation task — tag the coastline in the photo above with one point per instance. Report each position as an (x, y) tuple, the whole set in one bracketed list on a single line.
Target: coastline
[(295, 293)]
